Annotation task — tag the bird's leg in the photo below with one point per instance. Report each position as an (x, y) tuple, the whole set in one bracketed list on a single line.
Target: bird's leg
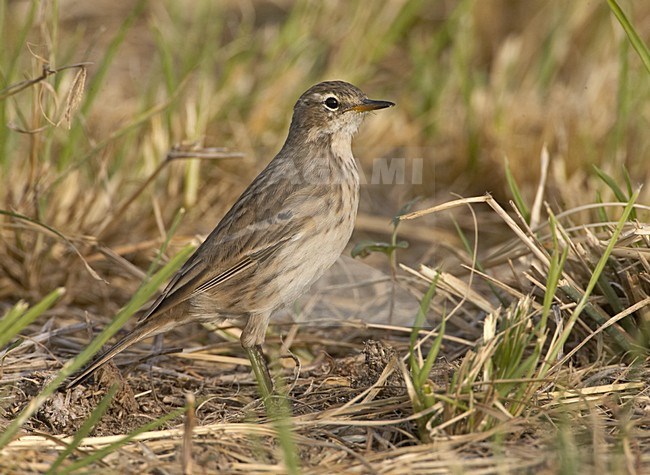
[(261, 371), (252, 338)]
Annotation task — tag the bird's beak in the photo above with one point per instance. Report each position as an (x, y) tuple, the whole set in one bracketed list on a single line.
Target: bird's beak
[(371, 105)]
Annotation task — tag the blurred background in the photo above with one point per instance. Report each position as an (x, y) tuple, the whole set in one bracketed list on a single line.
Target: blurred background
[(477, 83)]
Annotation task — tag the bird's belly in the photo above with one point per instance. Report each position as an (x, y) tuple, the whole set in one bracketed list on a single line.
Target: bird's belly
[(310, 259)]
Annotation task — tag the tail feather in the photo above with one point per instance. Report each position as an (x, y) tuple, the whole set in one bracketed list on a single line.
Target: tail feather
[(138, 334)]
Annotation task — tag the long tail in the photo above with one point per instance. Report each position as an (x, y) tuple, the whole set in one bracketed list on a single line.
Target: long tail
[(148, 328)]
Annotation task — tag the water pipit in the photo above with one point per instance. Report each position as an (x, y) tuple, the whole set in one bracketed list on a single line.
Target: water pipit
[(282, 233)]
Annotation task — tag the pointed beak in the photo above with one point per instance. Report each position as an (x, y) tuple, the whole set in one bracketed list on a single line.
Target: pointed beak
[(371, 105)]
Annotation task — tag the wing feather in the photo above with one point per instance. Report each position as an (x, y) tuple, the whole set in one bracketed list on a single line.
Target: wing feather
[(257, 225)]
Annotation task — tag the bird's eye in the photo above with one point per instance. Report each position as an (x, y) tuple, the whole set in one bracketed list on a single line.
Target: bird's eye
[(332, 103)]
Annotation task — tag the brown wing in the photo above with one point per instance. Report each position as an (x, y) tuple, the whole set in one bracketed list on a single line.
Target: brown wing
[(260, 221)]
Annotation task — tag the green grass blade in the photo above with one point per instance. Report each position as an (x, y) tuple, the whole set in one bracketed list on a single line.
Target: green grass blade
[(463, 238), (423, 374), (417, 325), (637, 43), (610, 295), (628, 182), (8, 67), (278, 408), (17, 324), (558, 259), (602, 212), (598, 270), (12, 315), (611, 183), (171, 232), (141, 296), (516, 194)]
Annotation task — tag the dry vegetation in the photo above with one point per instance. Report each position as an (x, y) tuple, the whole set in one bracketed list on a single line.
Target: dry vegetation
[(129, 128)]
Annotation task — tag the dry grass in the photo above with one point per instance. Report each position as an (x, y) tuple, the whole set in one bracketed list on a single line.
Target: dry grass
[(129, 128)]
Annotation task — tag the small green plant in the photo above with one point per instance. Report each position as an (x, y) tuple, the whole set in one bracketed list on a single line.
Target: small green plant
[(365, 248), (421, 389)]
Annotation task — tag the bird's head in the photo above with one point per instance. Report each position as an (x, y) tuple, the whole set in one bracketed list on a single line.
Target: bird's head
[(332, 108)]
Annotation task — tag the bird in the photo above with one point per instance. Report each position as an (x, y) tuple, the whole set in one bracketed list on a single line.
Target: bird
[(284, 231)]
